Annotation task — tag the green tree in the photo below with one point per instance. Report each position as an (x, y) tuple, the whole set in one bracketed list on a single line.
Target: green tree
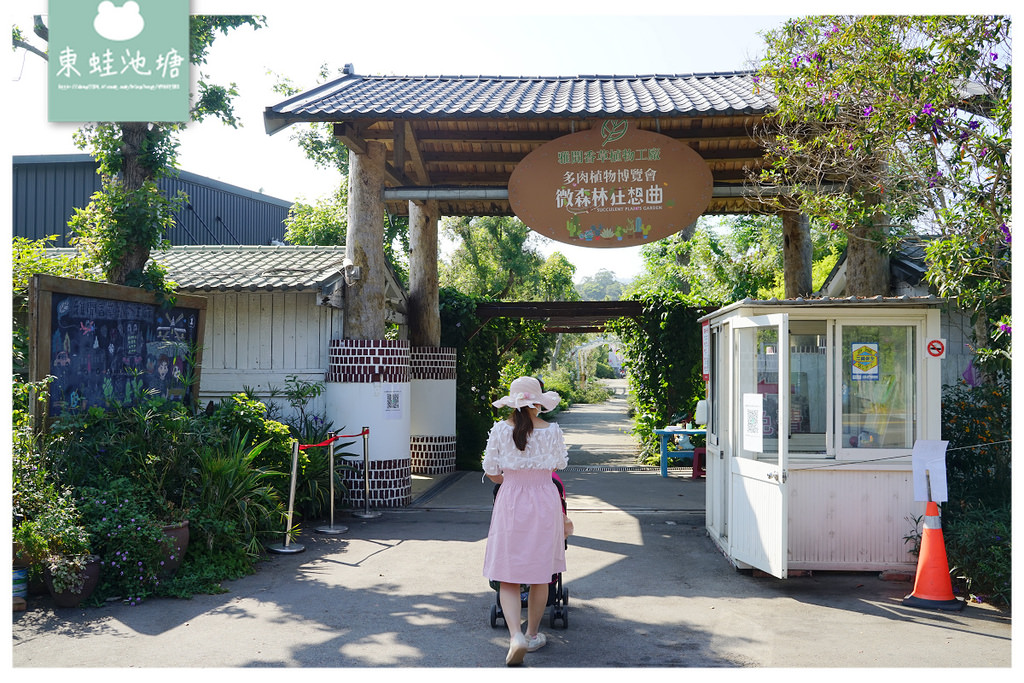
[(556, 275), (128, 217), (324, 222), (496, 260), (728, 259), (888, 127), (602, 286)]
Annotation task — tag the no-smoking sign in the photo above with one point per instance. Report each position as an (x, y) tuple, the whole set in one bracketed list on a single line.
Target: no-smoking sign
[(936, 348)]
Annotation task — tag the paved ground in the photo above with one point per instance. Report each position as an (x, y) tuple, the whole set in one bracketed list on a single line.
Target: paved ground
[(646, 588)]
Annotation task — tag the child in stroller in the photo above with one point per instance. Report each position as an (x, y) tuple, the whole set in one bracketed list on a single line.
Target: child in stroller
[(558, 596)]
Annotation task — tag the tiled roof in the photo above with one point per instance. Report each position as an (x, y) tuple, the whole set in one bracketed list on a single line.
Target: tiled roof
[(354, 96), (244, 267)]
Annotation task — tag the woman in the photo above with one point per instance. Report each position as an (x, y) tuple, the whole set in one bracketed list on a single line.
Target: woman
[(526, 540)]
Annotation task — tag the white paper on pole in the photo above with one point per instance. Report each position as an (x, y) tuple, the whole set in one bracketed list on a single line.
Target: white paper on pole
[(753, 422), (930, 457)]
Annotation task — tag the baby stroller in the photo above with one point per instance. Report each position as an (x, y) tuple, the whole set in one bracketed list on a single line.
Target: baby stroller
[(558, 596)]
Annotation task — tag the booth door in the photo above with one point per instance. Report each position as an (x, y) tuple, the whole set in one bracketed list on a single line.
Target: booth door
[(758, 510)]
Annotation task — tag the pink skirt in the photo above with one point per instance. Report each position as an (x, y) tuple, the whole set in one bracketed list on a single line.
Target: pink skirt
[(526, 540)]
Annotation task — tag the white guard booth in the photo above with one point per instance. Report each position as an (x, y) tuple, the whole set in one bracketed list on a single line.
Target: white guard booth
[(814, 408)]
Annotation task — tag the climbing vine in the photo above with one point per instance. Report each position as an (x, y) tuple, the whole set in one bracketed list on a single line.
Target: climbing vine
[(663, 357)]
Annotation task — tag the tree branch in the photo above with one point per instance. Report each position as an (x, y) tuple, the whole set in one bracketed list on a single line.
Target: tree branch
[(29, 48)]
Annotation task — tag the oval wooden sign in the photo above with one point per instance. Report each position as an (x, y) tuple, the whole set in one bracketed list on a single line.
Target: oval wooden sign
[(610, 186)]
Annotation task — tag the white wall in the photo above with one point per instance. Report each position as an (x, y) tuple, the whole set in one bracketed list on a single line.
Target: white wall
[(257, 339)]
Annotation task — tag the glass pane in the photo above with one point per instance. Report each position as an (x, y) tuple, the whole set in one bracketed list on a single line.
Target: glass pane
[(808, 377), (716, 373), (758, 378), (879, 392)]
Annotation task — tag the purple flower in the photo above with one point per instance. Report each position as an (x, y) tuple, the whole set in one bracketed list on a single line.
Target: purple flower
[(1006, 234), (994, 56), (867, 111), (913, 119), (928, 109), (973, 125), (1003, 327), (833, 225)]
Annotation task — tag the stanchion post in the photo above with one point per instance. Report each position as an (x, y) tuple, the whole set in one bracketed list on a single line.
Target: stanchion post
[(288, 546), (366, 513), (331, 529)]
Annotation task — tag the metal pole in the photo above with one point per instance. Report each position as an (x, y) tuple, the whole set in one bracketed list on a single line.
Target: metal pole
[(287, 546), (366, 513), (332, 529)]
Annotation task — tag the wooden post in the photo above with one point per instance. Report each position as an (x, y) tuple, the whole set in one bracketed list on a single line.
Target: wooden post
[(424, 316), (797, 254), (364, 245)]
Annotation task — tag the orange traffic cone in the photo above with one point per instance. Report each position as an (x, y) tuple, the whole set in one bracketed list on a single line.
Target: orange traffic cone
[(933, 588)]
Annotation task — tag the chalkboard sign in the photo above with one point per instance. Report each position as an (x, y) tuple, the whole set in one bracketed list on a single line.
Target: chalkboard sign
[(107, 344)]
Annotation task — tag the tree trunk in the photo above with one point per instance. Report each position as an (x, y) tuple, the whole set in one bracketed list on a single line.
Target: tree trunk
[(364, 245), (424, 316), (867, 266), (797, 254), (133, 175)]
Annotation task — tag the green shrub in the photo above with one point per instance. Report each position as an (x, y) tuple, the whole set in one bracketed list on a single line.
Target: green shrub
[(663, 351), (976, 517), (978, 547), (129, 541), (237, 506)]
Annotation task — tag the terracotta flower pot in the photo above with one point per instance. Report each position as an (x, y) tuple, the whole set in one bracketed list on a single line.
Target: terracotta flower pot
[(67, 598), (176, 545)]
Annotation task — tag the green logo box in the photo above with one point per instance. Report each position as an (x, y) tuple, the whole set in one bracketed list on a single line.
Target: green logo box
[(123, 60)]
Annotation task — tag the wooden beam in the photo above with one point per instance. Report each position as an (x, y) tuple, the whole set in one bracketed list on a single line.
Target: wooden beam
[(539, 137), (350, 137), (398, 148), (419, 164)]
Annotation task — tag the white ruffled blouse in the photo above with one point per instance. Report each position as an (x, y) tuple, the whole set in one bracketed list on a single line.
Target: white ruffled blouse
[(545, 450)]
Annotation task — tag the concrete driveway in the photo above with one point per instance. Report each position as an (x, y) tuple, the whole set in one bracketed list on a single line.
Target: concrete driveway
[(646, 586)]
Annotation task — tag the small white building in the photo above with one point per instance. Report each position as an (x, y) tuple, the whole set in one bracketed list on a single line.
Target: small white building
[(814, 407), (278, 311), (272, 312)]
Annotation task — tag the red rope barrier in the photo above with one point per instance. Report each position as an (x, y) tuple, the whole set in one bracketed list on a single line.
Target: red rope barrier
[(334, 438)]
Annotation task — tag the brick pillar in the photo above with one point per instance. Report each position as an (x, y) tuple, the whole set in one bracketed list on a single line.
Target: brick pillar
[(432, 428), (367, 385)]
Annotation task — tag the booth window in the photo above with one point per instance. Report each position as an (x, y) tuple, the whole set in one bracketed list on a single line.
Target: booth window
[(879, 392), (808, 382)]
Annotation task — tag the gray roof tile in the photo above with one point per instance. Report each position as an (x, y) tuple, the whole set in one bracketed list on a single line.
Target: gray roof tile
[(352, 96), (245, 267)]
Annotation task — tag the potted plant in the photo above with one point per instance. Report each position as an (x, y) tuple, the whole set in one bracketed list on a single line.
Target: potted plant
[(57, 543), (71, 579), (129, 539)]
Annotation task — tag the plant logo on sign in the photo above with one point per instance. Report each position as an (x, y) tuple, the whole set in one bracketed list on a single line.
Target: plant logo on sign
[(118, 62), (613, 130)]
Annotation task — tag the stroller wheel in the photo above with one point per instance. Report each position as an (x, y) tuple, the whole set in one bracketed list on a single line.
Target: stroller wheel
[(559, 614), (494, 616)]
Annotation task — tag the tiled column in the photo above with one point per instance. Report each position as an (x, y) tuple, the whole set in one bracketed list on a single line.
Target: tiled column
[(367, 385), (432, 428)]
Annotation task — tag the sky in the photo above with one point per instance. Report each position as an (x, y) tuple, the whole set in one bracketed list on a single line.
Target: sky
[(402, 38)]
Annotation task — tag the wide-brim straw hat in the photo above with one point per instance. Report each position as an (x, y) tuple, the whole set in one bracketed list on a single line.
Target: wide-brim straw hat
[(526, 391)]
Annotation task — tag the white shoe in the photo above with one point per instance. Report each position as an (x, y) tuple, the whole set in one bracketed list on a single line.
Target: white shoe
[(534, 643), (516, 650)]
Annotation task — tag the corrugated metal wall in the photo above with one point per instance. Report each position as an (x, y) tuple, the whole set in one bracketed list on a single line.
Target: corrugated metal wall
[(48, 188)]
